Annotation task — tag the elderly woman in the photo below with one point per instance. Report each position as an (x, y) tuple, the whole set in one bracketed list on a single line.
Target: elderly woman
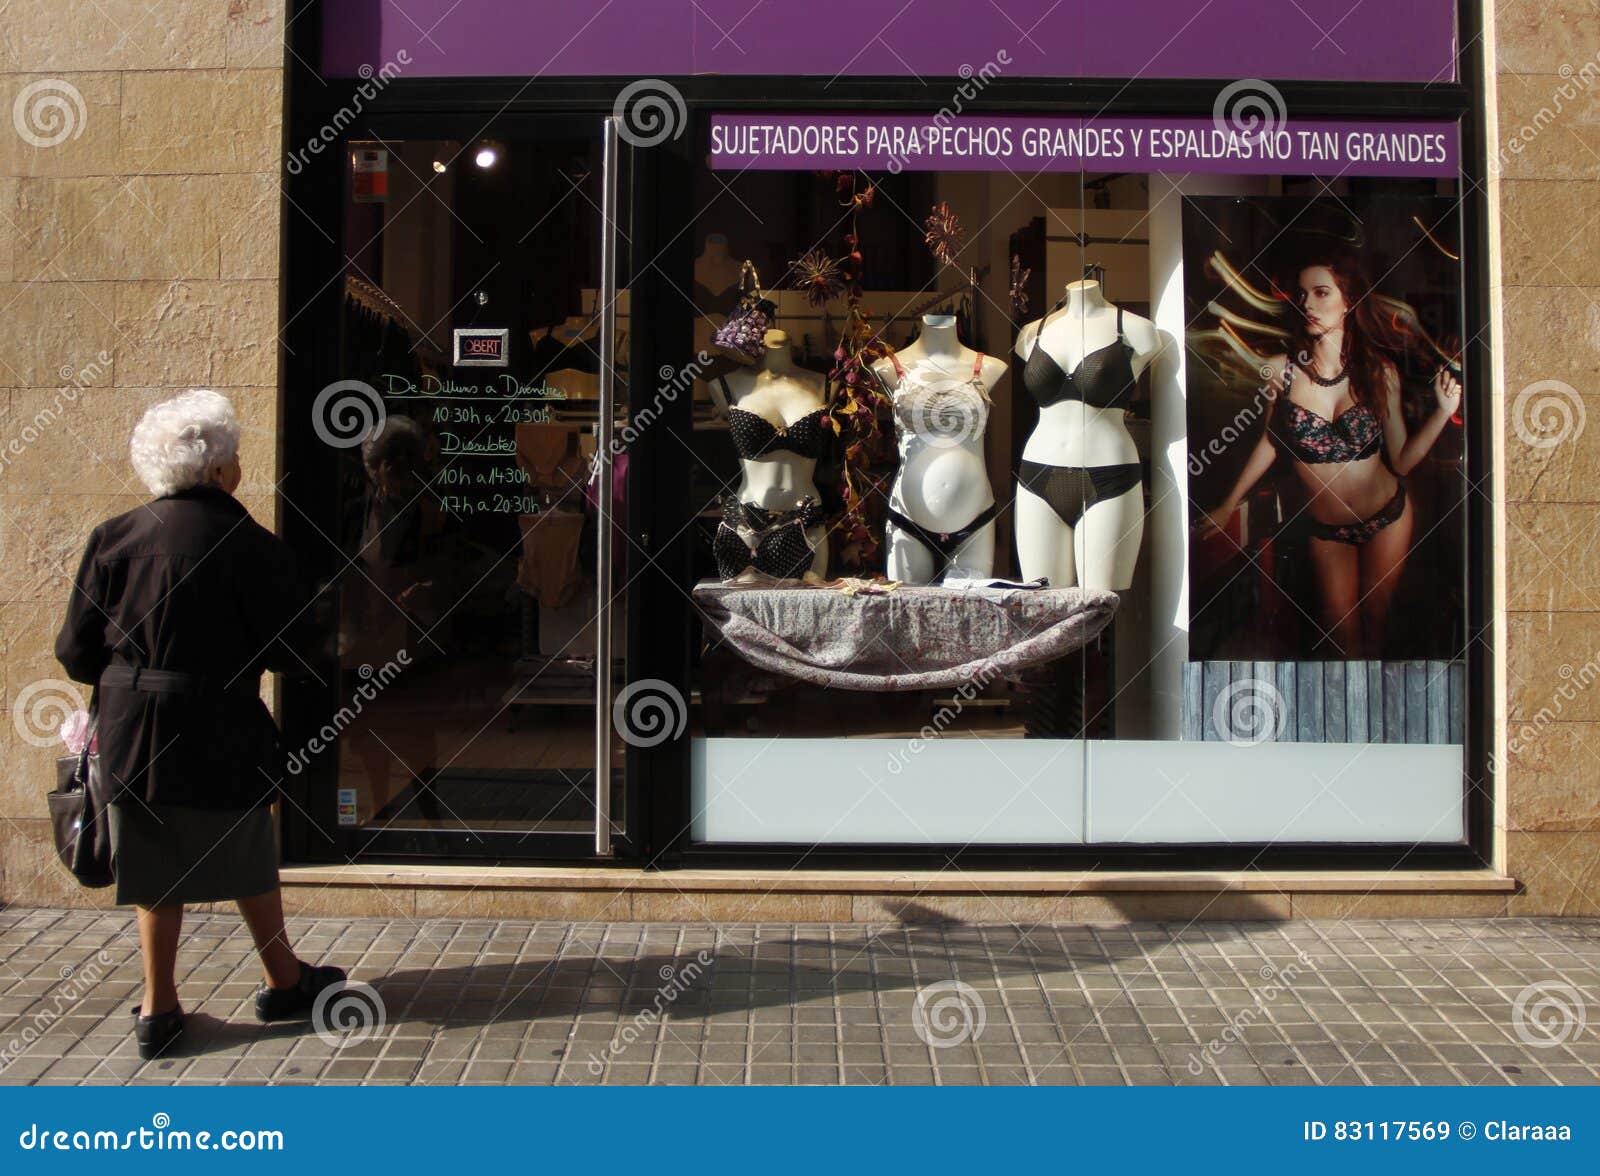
[(178, 608)]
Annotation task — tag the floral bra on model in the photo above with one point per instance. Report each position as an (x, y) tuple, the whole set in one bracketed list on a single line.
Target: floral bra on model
[(1352, 435)]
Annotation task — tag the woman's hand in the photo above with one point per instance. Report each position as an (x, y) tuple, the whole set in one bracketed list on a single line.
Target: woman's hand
[(409, 594), (1447, 390), (1215, 522), (1407, 451)]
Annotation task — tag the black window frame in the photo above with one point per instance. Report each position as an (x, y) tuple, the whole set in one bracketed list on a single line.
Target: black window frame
[(658, 778)]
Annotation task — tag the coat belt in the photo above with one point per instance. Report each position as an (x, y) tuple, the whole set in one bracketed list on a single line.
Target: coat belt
[(154, 681)]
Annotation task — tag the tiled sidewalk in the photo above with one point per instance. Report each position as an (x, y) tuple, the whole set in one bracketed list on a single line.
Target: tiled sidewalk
[(1371, 1002)]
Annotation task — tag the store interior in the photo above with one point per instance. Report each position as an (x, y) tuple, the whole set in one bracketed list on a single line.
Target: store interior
[(471, 524)]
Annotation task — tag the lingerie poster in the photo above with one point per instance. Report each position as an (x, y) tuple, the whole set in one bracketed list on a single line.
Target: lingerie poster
[(1325, 440)]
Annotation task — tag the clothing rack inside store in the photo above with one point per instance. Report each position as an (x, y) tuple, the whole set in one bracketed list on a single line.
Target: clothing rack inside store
[(942, 298), (1088, 240), (369, 296)]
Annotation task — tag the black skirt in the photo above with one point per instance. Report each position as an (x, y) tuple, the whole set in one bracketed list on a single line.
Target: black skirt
[(175, 854)]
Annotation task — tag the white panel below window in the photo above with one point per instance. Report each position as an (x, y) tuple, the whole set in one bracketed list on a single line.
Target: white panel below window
[(1172, 791), (880, 791), (1033, 792)]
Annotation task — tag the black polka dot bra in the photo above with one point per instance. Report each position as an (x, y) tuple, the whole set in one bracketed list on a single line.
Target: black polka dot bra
[(755, 437), (773, 542)]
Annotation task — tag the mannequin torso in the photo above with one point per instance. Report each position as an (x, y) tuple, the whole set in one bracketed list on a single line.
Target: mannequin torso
[(1070, 432), (1080, 462), (775, 409), (782, 394), (716, 276), (940, 390)]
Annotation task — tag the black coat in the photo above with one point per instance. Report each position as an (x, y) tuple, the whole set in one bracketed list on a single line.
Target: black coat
[(187, 583)]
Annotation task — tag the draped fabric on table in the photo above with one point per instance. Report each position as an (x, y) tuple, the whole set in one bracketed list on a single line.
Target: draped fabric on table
[(914, 638)]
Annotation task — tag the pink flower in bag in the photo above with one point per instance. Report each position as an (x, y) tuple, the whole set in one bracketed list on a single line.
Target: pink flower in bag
[(75, 731)]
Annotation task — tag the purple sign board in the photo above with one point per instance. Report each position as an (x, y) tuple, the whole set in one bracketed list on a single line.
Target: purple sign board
[(1032, 144), (1310, 40)]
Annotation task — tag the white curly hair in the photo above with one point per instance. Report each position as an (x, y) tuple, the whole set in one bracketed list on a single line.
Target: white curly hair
[(177, 443)]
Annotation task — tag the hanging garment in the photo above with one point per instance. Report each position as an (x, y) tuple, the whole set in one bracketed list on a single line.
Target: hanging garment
[(548, 567), (548, 455)]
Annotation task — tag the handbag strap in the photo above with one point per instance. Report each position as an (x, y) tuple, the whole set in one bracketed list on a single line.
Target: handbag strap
[(82, 773), (749, 269)]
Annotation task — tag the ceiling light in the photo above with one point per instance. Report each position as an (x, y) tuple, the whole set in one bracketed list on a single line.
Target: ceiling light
[(486, 157)]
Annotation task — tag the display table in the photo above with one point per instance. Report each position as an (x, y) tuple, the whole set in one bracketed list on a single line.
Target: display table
[(913, 638)]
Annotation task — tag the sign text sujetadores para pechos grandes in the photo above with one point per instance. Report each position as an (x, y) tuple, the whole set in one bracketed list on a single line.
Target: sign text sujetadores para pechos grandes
[(1023, 144)]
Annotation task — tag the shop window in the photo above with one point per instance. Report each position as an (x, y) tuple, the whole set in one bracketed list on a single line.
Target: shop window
[(1076, 507)]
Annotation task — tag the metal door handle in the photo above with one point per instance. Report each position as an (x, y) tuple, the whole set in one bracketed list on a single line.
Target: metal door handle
[(603, 561)]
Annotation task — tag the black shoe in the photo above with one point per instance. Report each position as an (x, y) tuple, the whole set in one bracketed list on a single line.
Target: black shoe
[(156, 1034), (279, 1004)]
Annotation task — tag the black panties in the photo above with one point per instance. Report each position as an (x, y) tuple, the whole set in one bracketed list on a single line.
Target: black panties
[(772, 542), (1071, 490), (1358, 533), (943, 544)]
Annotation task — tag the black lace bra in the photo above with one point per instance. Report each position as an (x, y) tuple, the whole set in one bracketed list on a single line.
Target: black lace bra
[(755, 437), (1103, 379)]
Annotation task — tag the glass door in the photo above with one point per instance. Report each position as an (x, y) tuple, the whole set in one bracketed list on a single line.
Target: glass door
[(468, 503)]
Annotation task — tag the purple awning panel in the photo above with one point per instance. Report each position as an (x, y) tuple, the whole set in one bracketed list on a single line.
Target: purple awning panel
[(1311, 40)]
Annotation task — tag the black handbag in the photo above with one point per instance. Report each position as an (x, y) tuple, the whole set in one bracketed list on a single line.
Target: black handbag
[(80, 818)]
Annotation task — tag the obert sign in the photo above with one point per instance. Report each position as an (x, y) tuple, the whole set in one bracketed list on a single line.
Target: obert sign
[(480, 346)]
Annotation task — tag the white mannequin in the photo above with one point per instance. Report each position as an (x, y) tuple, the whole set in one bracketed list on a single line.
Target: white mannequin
[(942, 482), (1103, 549), (781, 392)]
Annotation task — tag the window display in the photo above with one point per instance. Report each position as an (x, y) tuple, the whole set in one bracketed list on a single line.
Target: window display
[(902, 482), (1006, 462)]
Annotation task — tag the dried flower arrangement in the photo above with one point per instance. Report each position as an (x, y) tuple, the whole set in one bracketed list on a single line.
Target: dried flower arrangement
[(1019, 287), (943, 234), (855, 395)]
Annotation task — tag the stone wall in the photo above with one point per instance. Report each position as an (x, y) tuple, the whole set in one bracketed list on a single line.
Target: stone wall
[(139, 222), (1547, 90)]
